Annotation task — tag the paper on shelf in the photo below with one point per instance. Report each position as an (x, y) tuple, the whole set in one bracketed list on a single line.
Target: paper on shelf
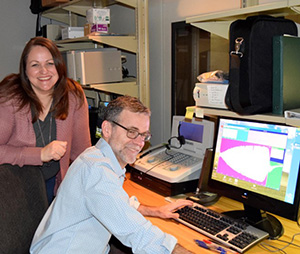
[(292, 113)]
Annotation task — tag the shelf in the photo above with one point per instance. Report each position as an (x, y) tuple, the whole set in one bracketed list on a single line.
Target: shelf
[(200, 112), (128, 43), (79, 7), (219, 22), (128, 86), (138, 43), (281, 8)]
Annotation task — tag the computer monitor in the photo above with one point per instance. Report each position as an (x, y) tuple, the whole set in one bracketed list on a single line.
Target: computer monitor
[(257, 163)]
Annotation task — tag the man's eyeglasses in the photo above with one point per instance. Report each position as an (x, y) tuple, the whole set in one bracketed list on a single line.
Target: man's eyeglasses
[(133, 134)]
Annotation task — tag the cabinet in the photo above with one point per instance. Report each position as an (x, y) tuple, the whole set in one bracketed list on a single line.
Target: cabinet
[(218, 23), (136, 43)]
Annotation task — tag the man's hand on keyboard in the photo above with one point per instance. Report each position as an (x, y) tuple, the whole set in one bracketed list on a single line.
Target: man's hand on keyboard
[(166, 211)]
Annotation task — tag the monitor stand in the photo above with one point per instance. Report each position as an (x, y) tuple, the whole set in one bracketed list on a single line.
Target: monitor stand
[(204, 198), (259, 219)]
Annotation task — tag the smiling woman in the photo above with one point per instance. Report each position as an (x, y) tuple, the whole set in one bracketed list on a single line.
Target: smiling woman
[(42, 74), (44, 114)]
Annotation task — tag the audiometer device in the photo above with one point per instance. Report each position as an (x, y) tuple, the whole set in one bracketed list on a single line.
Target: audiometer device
[(175, 167)]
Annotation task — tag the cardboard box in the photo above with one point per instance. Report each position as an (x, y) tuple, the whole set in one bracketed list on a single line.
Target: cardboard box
[(51, 3), (98, 16), (72, 32), (91, 28)]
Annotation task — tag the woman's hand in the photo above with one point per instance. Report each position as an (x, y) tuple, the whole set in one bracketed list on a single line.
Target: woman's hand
[(54, 151)]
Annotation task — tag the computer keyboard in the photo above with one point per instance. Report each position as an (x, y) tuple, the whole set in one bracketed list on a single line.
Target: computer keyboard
[(174, 157), (234, 234)]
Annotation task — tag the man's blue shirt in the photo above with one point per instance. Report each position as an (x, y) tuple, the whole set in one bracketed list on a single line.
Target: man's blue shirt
[(90, 206)]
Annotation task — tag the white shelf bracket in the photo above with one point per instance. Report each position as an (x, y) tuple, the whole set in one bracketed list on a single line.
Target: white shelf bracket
[(220, 28)]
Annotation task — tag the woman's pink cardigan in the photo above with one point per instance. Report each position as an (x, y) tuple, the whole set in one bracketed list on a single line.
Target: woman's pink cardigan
[(18, 141)]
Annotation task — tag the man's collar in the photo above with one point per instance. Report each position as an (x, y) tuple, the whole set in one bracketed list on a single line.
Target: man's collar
[(106, 150)]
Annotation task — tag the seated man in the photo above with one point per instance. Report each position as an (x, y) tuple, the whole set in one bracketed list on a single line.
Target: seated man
[(91, 204)]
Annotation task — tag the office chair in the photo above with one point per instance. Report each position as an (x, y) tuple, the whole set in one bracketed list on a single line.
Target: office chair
[(23, 202)]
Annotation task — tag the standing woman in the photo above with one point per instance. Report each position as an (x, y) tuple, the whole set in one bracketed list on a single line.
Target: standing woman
[(43, 114)]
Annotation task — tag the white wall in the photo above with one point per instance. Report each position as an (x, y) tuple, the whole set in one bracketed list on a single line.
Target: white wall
[(17, 26), (161, 14)]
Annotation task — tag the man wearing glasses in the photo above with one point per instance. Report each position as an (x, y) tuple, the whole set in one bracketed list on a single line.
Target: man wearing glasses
[(91, 204)]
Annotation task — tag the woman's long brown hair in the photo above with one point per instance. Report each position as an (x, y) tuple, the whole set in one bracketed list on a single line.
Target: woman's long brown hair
[(18, 86)]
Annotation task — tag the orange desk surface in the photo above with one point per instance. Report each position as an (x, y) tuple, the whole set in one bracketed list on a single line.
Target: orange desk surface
[(186, 235)]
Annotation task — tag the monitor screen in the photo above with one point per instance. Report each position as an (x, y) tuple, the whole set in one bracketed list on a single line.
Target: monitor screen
[(191, 131), (258, 164)]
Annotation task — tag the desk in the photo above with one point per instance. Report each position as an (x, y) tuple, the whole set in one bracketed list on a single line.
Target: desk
[(186, 235)]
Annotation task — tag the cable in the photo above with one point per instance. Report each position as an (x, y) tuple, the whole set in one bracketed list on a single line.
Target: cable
[(267, 246), (163, 161), (153, 149), (291, 242)]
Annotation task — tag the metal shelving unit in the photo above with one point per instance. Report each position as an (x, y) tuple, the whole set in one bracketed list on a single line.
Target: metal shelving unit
[(137, 44)]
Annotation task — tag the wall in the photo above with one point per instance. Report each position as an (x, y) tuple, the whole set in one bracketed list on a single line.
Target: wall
[(161, 14), (17, 26)]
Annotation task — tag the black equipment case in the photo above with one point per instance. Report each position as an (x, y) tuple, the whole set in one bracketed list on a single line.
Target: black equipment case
[(251, 62)]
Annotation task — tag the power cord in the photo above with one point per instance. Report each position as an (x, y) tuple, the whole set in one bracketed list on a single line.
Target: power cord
[(153, 149), (163, 161), (272, 248)]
